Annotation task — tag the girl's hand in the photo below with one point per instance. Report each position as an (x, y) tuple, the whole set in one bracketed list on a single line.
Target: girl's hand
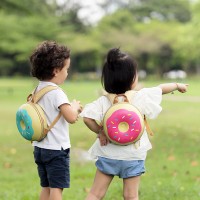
[(171, 87), (181, 87), (102, 138)]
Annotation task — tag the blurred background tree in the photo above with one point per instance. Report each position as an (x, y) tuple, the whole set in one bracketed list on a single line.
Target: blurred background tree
[(161, 35)]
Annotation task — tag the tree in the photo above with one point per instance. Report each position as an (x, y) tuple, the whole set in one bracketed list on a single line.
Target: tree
[(144, 10), (188, 44), (24, 8), (23, 24)]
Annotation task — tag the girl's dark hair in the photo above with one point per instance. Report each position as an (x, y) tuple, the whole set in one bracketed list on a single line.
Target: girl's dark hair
[(46, 57), (119, 72)]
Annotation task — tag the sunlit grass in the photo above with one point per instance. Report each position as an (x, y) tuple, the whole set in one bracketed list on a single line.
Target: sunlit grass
[(172, 165)]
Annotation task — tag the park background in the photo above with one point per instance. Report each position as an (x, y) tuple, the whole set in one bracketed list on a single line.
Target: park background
[(163, 36)]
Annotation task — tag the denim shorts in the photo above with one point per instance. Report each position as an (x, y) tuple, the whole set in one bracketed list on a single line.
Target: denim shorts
[(121, 168), (53, 167)]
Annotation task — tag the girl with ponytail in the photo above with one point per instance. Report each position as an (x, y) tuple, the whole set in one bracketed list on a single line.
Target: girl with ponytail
[(119, 75)]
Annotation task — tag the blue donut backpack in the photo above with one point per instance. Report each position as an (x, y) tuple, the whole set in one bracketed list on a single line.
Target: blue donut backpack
[(30, 117)]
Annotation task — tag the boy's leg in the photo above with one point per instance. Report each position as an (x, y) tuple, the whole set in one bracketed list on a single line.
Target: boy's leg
[(100, 186), (131, 187), (45, 193), (55, 194), (53, 169)]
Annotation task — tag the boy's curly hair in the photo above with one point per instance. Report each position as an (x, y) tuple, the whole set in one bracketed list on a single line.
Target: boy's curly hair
[(46, 57)]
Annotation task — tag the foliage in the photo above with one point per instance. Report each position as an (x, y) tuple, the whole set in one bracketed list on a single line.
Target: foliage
[(161, 10), (24, 8), (160, 35), (189, 38)]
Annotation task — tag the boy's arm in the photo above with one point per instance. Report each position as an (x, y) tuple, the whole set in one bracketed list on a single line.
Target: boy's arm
[(170, 87), (71, 112)]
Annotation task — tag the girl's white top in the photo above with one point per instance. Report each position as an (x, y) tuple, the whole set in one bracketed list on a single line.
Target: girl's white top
[(147, 100), (58, 136)]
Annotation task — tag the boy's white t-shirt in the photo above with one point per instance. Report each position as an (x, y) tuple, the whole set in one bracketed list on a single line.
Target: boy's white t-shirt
[(147, 100), (58, 137)]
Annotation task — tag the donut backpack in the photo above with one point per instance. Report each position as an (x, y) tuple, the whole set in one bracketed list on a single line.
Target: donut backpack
[(123, 123), (30, 118)]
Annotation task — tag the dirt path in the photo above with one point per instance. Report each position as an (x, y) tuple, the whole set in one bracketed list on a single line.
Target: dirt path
[(80, 155)]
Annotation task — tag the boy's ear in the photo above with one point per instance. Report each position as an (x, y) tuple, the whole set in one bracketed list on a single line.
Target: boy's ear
[(55, 71)]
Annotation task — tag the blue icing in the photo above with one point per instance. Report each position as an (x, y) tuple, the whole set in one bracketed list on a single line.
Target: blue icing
[(22, 115)]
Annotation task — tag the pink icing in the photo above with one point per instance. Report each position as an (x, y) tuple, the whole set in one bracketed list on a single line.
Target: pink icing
[(127, 116)]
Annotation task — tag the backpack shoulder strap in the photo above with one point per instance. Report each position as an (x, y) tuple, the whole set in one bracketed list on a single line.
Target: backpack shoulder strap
[(148, 129), (53, 123), (111, 97), (114, 97), (130, 94), (36, 96)]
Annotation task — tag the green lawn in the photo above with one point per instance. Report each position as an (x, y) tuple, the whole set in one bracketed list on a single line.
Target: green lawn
[(172, 165)]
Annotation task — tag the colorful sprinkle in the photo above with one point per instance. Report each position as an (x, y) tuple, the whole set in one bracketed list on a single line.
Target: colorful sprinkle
[(132, 129), (112, 122), (123, 117), (118, 139), (116, 132)]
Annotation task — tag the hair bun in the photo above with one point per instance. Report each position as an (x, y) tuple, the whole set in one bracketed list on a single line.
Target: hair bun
[(113, 55)]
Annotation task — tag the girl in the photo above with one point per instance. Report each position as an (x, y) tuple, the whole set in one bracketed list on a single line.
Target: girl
[(128, 162)]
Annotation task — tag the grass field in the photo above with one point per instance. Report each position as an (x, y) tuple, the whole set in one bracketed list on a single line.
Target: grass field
[(172, 165)]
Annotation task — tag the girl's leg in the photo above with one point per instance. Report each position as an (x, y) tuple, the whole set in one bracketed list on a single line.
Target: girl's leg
[(55, 194), (100, 186), (45, 193), (131, 187)]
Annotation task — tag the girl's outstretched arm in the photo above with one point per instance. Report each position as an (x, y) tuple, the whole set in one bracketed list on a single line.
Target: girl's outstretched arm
[(170, 87)]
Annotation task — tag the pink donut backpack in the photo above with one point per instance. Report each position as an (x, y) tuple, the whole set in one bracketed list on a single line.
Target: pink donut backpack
[(123, 123)]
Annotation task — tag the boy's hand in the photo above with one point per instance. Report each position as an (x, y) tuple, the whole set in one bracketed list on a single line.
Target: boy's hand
[(77, 106)]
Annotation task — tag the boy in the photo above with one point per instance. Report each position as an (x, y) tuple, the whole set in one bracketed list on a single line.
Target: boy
[(49, 64)]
